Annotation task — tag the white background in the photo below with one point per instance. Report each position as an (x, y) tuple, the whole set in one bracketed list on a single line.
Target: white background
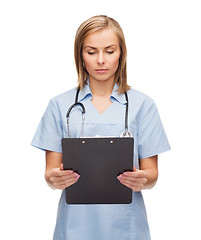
[(37, 63)]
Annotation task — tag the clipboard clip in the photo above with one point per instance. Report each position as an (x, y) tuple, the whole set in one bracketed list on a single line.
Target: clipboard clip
[(126, 134)]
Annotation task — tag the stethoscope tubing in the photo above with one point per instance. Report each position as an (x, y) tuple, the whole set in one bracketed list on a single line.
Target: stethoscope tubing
[(124, 134)]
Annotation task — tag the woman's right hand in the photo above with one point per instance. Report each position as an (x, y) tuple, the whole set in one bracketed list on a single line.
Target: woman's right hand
[(61, 179)]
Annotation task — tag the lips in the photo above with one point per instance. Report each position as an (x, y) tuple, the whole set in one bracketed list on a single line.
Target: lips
[(101, 70)]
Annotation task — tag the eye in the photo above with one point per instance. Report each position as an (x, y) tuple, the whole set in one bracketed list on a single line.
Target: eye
[(110, 52), (91, 53)]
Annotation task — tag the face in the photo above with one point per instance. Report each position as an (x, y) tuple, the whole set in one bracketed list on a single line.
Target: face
[(101, 53)]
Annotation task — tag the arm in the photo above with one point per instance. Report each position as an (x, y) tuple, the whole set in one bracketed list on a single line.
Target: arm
[(150, 166), (55, 176), (145, 178)]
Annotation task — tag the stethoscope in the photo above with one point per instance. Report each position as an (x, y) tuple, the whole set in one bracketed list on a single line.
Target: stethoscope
[(125, 133)]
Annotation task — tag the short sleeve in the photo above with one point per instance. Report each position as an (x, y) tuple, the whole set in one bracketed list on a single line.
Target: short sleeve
[(152, 139), (49, 132)]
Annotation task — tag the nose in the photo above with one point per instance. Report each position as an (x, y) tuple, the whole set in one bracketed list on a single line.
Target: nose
[(101, 59)]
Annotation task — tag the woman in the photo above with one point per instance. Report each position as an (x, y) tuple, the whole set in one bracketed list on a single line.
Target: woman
[(100, 57)]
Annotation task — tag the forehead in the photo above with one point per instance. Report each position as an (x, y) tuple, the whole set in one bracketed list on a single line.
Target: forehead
[(101, 39)]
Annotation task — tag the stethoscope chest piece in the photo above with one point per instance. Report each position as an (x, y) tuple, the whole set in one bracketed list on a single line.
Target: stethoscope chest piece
[(126, 134)]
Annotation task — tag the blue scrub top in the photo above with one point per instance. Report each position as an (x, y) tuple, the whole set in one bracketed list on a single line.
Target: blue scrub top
[(106, 221)]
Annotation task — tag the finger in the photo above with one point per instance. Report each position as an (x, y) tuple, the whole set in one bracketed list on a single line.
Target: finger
[(142, 180), (127, 173), (65, 184), (133, 183), (136, 174), (61, 167), (61, 187), (134, 188), (58, 172), (70, 176)]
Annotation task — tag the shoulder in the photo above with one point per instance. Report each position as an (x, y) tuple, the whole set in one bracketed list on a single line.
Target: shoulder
[(61, 102), (65, 97), (139, 99), (145, 109), (64, 100)]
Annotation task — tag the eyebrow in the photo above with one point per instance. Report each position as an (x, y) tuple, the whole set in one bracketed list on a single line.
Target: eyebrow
[(104, 48)]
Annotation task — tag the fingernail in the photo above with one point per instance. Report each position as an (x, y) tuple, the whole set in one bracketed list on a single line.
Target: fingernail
[(120, 177), (125, 173), (76, 178)]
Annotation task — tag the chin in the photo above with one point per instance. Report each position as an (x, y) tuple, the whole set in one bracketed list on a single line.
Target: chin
[(102, 78)]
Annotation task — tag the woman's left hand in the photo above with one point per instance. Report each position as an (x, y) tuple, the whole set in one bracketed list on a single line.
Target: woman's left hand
[(134, 180)]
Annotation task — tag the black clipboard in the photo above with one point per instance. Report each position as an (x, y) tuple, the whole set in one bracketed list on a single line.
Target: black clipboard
[(98, 161)]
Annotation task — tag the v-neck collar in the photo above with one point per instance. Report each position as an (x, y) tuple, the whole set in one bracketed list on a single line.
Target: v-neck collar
[(87, 91)]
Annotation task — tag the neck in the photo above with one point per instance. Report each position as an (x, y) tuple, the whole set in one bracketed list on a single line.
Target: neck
[(101, 88)]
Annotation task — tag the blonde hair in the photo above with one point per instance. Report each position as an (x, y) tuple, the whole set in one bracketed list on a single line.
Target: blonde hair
[(91, 25)]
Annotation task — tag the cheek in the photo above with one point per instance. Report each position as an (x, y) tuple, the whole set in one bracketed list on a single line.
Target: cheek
[(115, 63), (88, 63)]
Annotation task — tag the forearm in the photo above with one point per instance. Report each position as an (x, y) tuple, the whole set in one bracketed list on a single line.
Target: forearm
[(53, 161), (47, 178), (152, 177), (150, 166)]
